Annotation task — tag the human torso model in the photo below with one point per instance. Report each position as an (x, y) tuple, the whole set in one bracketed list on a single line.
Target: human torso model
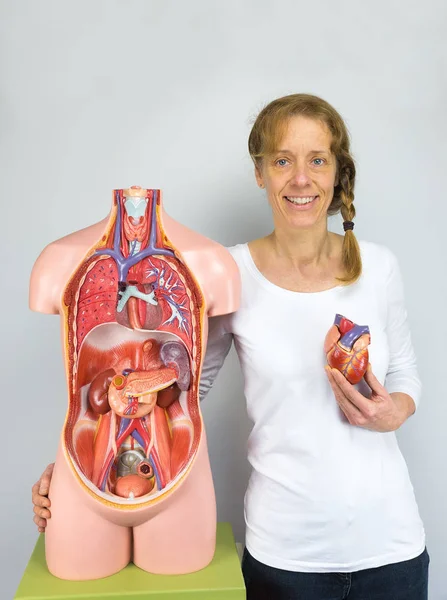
[(132, 479)]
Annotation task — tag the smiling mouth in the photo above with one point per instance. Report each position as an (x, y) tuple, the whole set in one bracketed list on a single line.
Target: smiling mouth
[(300, 200)]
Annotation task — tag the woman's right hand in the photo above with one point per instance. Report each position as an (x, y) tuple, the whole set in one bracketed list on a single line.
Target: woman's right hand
[(40, 498)]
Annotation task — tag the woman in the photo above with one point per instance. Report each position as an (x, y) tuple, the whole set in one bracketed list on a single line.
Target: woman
[(330, 509)]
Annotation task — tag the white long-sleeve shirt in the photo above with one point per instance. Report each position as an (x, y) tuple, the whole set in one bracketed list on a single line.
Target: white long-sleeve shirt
[(323, 495)]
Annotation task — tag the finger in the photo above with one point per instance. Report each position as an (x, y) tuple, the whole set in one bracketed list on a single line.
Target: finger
[(41, 523), (42, 501), (352, 414), (336, 379), (348, 390), (35, 491), (373, 382), (45, 480), (44, 486), (42, 512), (350, 409), (346, 415)]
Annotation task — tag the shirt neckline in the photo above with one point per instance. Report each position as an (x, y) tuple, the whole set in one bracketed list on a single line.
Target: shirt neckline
[(250, 264)]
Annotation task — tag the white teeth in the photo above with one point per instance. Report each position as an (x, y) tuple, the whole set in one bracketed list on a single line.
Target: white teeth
[(296, 200)]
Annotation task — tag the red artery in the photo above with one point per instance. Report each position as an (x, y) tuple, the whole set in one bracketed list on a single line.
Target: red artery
[(134, 425)]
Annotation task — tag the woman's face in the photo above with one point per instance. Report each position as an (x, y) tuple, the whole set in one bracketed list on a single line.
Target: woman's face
[(300, 177)]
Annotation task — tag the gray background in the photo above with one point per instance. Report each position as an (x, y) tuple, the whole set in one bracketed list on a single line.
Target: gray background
[(97, 95)]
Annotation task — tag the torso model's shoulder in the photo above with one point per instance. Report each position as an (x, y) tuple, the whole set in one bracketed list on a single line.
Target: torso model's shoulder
[(222, 278), (212, 265), (56, 263), (198, 250)]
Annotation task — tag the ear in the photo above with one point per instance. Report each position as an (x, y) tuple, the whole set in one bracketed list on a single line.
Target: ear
[(259, 177)]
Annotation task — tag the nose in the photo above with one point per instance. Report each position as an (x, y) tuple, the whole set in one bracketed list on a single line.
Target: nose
[(301, 175)]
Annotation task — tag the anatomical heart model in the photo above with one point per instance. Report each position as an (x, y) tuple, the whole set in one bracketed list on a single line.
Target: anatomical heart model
[(132, 479), (346, 347)]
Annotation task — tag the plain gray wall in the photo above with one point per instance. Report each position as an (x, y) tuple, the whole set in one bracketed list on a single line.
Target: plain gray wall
[(104, 94)]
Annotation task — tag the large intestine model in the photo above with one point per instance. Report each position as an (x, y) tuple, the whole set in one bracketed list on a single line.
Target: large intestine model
[(133, 348)]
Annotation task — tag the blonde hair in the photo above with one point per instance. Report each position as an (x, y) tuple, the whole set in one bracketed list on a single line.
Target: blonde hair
[(265, 136)]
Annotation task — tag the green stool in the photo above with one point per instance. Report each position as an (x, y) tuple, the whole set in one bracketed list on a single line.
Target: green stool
[(221, 580)]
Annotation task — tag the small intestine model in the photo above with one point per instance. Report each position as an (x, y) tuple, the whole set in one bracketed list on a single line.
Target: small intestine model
[(346, 348)]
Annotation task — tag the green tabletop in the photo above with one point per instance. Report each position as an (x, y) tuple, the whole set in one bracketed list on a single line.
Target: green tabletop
[(221, 580)]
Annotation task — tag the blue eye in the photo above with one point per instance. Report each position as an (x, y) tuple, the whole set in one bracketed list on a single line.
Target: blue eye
[(318, 161), (281, 162)]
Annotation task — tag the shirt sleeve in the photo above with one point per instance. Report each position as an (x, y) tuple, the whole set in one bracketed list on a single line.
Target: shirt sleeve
[(402, 375), (219, 343)]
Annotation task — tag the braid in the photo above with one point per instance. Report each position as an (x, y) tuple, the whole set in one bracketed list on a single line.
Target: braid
[(352, 262)]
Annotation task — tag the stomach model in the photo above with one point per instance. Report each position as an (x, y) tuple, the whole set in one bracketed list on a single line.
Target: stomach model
[(346, 348), (134, 319)]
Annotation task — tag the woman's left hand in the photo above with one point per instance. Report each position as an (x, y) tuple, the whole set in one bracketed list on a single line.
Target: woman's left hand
[(382, 412)]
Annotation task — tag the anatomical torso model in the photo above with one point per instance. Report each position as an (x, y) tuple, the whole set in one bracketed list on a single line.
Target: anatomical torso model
[(132, 479)]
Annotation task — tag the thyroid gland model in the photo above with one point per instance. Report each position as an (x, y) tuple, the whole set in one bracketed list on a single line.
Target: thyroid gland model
[(132, 480), (346, 348)]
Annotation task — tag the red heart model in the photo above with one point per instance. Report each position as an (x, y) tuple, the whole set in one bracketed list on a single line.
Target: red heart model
[(346, 348)]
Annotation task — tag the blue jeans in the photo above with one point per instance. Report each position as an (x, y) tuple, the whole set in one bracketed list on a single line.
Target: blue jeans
[(407, 580)]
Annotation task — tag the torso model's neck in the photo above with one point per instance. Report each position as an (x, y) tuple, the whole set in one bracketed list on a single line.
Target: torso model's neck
[(137, 217), (135, 229), (139, 214), (132, 202)]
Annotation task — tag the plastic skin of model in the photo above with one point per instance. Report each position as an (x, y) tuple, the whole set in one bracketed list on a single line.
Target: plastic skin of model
[(346, 348), (132, 480)]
